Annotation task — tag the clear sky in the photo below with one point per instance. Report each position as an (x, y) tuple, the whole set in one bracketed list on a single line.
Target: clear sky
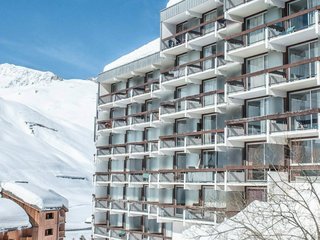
[(75, 38)]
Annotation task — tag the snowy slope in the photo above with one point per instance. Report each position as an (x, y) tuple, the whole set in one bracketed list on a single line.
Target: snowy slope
[(47, 136), (17, 218)]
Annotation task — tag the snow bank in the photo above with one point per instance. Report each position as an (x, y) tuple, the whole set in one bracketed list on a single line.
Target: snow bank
[(12, 216), (36, 196), (144, 51), (173, 2), (11, 75)]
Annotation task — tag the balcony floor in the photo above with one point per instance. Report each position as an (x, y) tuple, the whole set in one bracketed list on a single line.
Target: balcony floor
[(254, 93), (249, 51), (296, 37), (247, 9)]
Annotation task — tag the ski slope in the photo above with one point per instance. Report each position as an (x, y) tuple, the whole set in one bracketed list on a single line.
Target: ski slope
[(47, 136)]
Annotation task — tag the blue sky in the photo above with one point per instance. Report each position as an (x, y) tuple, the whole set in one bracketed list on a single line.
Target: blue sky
[(74, 38)]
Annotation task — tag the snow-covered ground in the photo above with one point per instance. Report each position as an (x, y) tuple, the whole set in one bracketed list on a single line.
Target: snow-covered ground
[(47, 136)]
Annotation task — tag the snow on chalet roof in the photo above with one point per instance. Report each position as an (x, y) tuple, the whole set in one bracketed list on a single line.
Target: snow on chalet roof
[(144, 51), (173, 2), (12, 216), (36, 196)]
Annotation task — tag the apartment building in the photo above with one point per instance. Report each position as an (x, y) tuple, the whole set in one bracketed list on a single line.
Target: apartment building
[(186, 134)]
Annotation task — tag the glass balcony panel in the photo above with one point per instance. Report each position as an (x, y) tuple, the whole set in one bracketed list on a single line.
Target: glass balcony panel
[(236, 130), (304, 122), (278, 125), (277, 77), (233, 3), (303, 71), (256, 36), (208, 100), (115, 220), (257, 127), (236, 86), (256, 81), (200, 177)]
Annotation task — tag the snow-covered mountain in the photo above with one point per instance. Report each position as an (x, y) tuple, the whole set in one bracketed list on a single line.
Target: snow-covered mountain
[(47, 135), (12, 76)]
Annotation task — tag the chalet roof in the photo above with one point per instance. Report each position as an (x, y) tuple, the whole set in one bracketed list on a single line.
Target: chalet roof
[(43, 199)]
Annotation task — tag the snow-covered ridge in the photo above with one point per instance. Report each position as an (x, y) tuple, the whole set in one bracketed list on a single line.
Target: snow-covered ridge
[(144, 51), (12, 75)]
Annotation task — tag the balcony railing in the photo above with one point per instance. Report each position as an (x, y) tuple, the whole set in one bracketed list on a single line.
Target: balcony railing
[(128, 148), (200, 65), (121, 232), (193, 33), (147, 87), (192, 139), (193, 102), (282, 122), (234, 3), (283, 26), (142, 117), (292, 72)]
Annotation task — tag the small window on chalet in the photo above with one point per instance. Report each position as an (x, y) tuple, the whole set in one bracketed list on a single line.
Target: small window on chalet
[(49, 216), (48, 232)]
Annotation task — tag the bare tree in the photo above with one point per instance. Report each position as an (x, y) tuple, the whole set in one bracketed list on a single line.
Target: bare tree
[(292, 210)]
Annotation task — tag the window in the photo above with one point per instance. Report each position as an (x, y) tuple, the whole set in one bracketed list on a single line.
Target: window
[(302, 52), (208, 51), (209, 159), (307, 151), (303, 101), (253, 22), (208, 86), (209, 123), (49, 215), (209, 17), (256, 64), (256, 108), (48, 232)]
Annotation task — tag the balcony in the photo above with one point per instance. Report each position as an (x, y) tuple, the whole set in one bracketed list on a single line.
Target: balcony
[(110, 232), (299, 27), (192, 106), (239, 9), (276, 35), (187, 142), (137, 121), (247, 43), (275, 81), (283, 125), (192, 72), (123, 97), (193, 38), (132, 149)]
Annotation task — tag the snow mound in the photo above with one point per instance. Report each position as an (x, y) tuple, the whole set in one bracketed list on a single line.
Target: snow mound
[(36, 196), (144, 51), (12, 216), (11, 75), (173, 2)]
